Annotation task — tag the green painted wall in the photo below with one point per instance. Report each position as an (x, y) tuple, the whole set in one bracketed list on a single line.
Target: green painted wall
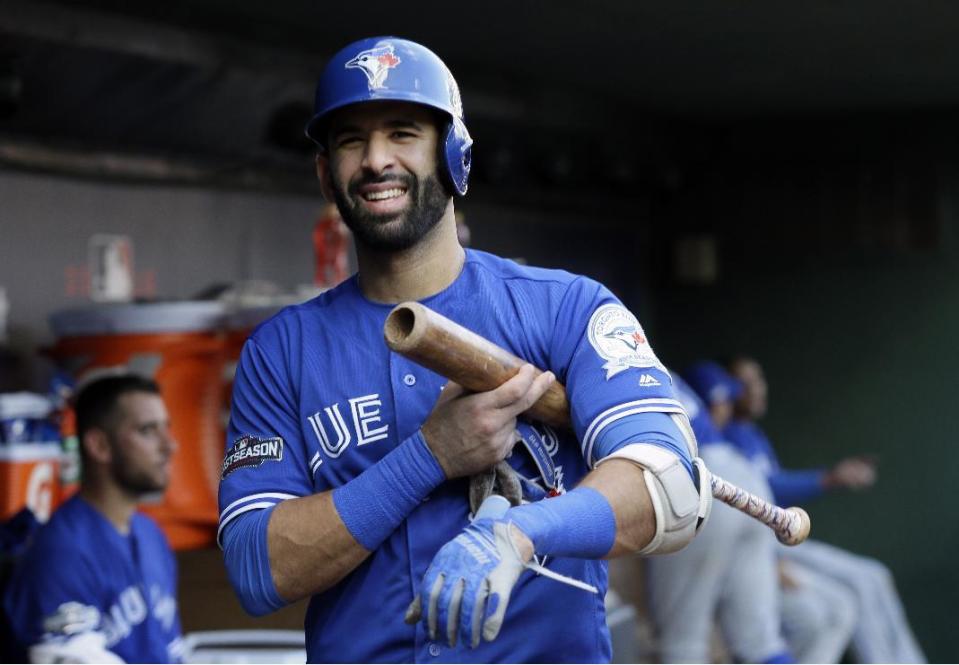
[(860, 353)]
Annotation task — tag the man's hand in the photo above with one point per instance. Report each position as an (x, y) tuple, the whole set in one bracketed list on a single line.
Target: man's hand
[(468, 585), (468, 433), (852, 473), (787, 578)]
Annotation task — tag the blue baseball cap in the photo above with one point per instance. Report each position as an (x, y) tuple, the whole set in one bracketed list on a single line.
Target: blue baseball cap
[(712, 383)]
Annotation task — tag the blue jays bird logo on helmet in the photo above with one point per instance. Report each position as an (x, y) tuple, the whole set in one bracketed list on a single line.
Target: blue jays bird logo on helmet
[(376, 63)]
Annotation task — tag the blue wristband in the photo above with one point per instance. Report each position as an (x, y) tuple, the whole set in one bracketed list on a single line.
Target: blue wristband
[(578, 524), (377, 501)]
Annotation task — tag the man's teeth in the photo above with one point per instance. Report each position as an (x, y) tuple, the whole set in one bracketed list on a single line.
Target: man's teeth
[(385, 194)]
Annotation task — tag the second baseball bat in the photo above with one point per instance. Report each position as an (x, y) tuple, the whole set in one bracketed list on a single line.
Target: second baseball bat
[(449, 349)]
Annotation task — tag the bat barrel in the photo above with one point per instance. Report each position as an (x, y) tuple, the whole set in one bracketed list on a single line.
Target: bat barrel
[(449, 349)]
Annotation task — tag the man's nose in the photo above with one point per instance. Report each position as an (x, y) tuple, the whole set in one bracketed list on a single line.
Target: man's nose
[(169, 441), (378, 156)]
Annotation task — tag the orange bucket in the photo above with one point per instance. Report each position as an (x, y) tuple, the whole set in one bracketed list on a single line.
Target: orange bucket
[(29, 477), (180, 345), (238, 325)]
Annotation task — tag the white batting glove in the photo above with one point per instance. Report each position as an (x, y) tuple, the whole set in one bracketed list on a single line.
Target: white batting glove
[(469, 583)]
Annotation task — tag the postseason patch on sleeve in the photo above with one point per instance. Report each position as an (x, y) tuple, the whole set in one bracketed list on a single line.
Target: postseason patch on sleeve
[(249, 452), (618, 338)]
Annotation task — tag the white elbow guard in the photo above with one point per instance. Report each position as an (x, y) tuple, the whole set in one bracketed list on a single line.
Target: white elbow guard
[(680, 506)]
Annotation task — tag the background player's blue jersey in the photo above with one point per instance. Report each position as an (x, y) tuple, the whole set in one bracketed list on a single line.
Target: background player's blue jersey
[(698, 413), (81, 574), (319, 397), (790, 487)]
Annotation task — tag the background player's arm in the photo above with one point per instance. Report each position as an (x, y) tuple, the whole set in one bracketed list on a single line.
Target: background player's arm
[(856, 473), (310, 541)]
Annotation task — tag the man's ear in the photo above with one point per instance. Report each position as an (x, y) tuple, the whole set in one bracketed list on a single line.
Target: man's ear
[(323, 175), (97, 446)]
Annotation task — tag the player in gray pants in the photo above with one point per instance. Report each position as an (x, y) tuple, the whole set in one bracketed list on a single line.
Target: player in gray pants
[(729, 571), (881, 631)]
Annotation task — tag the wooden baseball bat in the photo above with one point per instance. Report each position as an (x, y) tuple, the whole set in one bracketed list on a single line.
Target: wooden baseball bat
[(437, 343)]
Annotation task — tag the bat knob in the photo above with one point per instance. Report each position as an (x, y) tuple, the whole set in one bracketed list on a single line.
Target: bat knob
[(800, 527)]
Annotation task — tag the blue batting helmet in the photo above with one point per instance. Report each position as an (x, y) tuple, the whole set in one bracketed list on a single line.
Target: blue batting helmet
[(712, 383), (389, 68)]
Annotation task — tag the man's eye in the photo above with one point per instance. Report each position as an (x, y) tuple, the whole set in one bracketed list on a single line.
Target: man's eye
[(347, 141), (403, 134)]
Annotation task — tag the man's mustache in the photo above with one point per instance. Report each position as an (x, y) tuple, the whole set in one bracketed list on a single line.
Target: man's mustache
[(409, 182)]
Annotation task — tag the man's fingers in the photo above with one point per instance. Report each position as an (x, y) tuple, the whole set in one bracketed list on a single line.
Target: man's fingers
[(434, 604), (521, 391), (513, 389), (450, 391), (444, 608), (453, 618), (537, 387), (495, 612), (479, 610), (414, 612)]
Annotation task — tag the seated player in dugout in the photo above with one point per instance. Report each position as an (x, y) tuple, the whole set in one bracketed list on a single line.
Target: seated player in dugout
[(348, 473), (882, 632), (98, 582)]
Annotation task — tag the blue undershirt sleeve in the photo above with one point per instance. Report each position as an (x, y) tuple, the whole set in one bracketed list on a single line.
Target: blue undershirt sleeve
[(247, 560), (796, 487), (654, 427)]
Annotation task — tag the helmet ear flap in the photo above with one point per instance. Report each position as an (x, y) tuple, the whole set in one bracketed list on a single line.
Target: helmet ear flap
[(458, 155)]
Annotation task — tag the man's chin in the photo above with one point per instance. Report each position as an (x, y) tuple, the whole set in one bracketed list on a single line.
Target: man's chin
[(387, 234)]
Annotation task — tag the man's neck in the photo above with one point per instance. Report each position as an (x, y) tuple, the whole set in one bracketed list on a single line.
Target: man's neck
[(112, 502), (415, 273)]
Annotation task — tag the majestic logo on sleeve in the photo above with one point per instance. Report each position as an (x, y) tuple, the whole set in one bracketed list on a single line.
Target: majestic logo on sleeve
[(376, 63), (618, 338), (251, 451)]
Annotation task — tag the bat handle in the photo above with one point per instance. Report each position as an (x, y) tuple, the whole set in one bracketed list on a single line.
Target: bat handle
[(791, 525)]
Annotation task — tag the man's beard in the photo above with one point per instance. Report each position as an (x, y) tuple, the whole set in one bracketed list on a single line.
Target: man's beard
[(394, 231), (133, 479)]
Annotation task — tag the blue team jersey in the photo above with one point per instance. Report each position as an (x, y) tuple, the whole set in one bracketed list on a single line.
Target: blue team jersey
[(321, 397), (81, 574), (790, 487)]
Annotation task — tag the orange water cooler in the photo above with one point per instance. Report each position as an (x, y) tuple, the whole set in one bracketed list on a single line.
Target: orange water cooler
[(181, 346), (237, 326), (30, 456)]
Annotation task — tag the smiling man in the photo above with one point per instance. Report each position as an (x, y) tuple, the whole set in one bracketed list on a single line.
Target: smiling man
[(98, 583), (365, 502)]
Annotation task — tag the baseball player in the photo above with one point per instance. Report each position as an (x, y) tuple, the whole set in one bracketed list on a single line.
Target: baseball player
[(346, 476), (728, 573), (98, 583), (881, 633)]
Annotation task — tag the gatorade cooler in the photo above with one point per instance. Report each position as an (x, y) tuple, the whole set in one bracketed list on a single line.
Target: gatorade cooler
[(29, 456), (180, 345)]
